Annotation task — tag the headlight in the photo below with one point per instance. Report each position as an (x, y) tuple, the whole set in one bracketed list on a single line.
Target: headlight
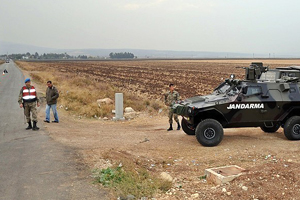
[(186, 118), (190, 110)]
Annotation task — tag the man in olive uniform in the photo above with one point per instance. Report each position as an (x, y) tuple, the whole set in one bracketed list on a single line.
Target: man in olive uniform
[(29, 100), (170, 98)]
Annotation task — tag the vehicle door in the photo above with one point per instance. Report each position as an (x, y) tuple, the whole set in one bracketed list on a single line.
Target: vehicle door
[(248, 105), (272, 105)]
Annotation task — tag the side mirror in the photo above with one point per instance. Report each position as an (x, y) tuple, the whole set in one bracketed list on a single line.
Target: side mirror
[(239, 98), (244, 90)]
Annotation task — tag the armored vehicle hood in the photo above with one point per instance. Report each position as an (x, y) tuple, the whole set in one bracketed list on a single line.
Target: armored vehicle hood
[(204, 101)]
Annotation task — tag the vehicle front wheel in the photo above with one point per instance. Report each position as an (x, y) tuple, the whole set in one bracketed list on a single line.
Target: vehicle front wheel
[(292, 128), (270, 129), (209, 132), (186, 128)]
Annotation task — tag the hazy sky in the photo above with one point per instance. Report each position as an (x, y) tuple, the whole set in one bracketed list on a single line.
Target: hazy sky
[(248, 26)]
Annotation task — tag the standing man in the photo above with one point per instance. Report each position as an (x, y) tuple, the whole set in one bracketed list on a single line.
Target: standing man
[(29, 100), (51, 98), (170, 97)]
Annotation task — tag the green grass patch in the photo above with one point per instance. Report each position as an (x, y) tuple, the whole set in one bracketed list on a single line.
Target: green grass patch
[(202, 177), (124, 181)]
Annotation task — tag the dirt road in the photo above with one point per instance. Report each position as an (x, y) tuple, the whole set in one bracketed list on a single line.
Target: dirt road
[(32, 165)]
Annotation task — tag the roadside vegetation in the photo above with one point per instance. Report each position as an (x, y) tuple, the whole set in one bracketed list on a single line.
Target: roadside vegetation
[(79, 93), (125, 180)]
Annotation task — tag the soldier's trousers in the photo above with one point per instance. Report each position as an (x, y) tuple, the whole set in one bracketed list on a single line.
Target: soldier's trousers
[(30, 108), (171, 115)]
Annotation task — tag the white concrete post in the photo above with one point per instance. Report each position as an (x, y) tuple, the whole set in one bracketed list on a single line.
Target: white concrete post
[(119, 106)]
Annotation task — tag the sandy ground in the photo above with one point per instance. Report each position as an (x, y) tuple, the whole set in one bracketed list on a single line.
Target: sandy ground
[(271, 160)]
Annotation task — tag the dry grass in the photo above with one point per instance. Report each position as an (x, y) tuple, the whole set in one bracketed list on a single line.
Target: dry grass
[(79, 93)]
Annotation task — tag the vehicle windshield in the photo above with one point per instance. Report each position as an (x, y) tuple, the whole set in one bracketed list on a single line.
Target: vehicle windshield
[(221, 89), (225, 88), (232, 91)]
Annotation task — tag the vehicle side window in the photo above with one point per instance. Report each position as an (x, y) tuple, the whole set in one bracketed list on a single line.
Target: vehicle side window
[(289, 74), (252, 90), (292, 90)]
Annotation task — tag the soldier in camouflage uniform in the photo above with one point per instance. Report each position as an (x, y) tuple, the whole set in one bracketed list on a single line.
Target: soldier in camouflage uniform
[(29, 100), (170, 98)]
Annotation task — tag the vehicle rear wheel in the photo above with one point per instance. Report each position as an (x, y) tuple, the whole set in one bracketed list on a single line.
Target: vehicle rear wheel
[(270, 129), (292, 128), (209, 132), (186, 128)]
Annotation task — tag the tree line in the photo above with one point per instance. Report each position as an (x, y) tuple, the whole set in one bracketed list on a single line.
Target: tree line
[(43, 56), (121, 55)]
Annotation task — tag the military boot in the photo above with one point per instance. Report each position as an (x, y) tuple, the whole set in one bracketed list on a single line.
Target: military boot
[(170, 128), (178, 126), (29, 126), (35, 128)]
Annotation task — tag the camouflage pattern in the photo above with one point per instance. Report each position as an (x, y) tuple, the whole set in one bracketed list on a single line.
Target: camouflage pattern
[(171, 114), (258, 101), (30, 108), (170, 99)]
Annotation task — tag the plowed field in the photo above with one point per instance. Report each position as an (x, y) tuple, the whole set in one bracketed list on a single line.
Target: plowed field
[(151, 77)]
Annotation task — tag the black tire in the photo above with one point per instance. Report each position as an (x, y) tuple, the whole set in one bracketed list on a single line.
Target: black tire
[(270, 129), (186, 128), (209, 132), (292, 128)]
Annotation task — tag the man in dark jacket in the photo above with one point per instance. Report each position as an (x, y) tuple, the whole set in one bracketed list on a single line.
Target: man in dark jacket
[(51, 98)]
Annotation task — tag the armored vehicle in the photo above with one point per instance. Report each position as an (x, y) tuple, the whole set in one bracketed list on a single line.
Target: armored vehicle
[(268, 99)]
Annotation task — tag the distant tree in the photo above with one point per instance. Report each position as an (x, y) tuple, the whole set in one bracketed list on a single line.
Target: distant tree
[(121, 55), (82, 57)]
